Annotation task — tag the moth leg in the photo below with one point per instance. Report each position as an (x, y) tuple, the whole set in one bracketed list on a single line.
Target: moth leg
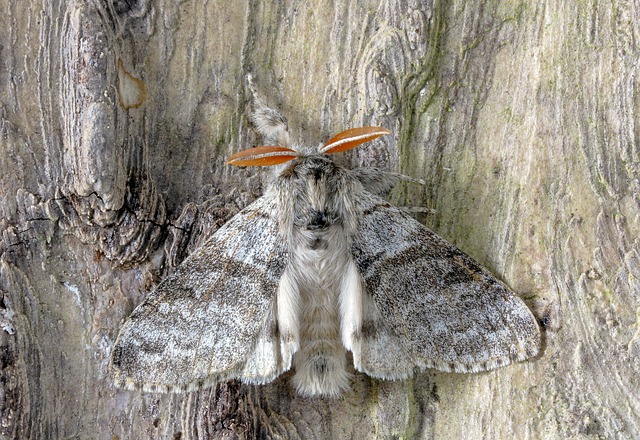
[(288, 313), (380, 353), (416, 210), (376, 351), (381, 182), (271, 125), (265, 362), (351, 308)]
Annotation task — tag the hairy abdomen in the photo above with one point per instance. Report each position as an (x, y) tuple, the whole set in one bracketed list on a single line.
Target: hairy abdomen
[(309, 311)]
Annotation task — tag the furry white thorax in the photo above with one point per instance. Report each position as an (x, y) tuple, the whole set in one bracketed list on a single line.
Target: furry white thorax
[(319, 299)]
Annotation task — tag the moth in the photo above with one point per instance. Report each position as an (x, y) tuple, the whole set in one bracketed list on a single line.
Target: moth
[(318, 266)]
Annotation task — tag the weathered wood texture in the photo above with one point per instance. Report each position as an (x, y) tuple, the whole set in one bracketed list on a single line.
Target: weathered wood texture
[(521, 116)]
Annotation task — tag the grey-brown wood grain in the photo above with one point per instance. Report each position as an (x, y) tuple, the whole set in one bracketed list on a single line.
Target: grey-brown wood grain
[(519, 117)]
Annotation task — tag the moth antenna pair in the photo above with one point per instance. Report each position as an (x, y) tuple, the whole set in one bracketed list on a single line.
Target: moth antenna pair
[(275, 155)]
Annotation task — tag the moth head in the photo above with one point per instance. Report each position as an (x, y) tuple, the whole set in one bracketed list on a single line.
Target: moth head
[(275, 155)]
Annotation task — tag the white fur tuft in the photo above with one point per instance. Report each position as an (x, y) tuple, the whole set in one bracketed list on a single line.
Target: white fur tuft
[(351, 308), (288, 310)]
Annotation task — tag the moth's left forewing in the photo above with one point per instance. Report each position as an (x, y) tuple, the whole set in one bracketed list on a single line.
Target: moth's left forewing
[(445, 310), (213, 318)]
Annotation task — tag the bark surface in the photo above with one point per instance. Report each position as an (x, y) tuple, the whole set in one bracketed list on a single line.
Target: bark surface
[(116, 119)]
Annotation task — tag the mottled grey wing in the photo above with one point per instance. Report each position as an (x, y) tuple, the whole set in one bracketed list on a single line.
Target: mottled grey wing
[(444, 309), (214, 318)]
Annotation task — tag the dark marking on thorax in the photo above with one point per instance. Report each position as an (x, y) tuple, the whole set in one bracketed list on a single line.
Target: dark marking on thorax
[(317, 244)]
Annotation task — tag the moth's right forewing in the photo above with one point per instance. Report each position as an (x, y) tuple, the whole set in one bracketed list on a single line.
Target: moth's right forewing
[(445, 310), (205, 323)]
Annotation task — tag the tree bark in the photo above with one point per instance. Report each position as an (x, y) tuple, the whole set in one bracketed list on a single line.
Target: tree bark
[(116, 119)]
